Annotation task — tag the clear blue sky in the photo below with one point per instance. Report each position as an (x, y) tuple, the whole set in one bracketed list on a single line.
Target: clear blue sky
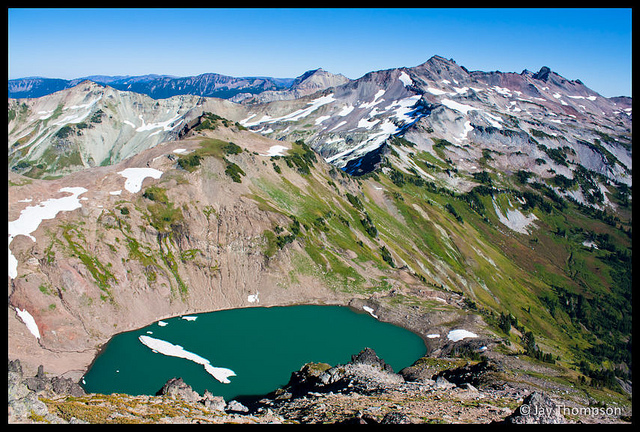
[(593, 45)]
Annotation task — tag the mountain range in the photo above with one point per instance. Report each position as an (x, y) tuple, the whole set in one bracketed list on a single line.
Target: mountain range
[(437, 197)]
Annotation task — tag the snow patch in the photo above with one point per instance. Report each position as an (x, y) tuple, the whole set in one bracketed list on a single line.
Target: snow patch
[(276, 150), (369, 310), (164, 125), (376, 100), (253, 298), (457, 106), (406, 80), (346, 110), (135, 177), (28, 320), (435, 91), (459, 334), (514, 219), (294, 116), (31, 217)]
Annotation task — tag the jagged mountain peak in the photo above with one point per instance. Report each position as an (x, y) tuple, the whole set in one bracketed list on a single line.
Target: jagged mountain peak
[(542, 74)]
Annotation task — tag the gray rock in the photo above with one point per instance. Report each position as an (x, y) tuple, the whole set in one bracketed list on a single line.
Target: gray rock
[(395, 417), (213, 403), (176, 388), (537, 408), (235, 406), (442, 383)]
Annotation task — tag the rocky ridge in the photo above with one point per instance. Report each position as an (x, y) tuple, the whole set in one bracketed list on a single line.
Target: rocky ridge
[(363, 391)]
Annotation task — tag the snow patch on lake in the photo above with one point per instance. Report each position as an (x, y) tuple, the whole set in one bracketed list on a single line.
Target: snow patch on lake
[(31, 217), (459, 334), (135, 177), (169, 349)]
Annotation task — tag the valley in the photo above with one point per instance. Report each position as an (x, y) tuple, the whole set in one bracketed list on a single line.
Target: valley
[(432, 197)]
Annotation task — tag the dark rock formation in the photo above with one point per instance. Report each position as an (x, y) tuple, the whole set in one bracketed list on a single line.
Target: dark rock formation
[(176, 388)]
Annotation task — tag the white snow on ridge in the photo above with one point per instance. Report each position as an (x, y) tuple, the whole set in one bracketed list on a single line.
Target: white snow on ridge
[(169, 349), (406, 80), (294, 116), (135, 177), (164, 125), (31, 217)]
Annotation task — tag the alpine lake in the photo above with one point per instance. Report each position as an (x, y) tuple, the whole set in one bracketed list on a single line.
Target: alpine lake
[(246, 352)]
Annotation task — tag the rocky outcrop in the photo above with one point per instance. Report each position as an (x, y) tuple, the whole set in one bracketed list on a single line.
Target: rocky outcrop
[(366, 373), (537, 408), (23, 402)]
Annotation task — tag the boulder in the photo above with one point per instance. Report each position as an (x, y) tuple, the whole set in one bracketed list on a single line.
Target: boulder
[(235, 406), (213, 403)]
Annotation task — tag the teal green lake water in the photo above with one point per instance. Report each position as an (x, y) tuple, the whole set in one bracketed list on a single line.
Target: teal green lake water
[(262, 346)]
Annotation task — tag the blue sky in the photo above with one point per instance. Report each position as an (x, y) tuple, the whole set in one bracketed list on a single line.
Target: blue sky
[(593, 45)]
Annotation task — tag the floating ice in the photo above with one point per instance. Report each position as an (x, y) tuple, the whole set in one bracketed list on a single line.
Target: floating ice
[(189, 318), (169, 349)]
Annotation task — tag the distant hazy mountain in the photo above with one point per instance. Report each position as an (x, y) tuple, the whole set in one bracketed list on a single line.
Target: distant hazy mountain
[(156, 86)]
